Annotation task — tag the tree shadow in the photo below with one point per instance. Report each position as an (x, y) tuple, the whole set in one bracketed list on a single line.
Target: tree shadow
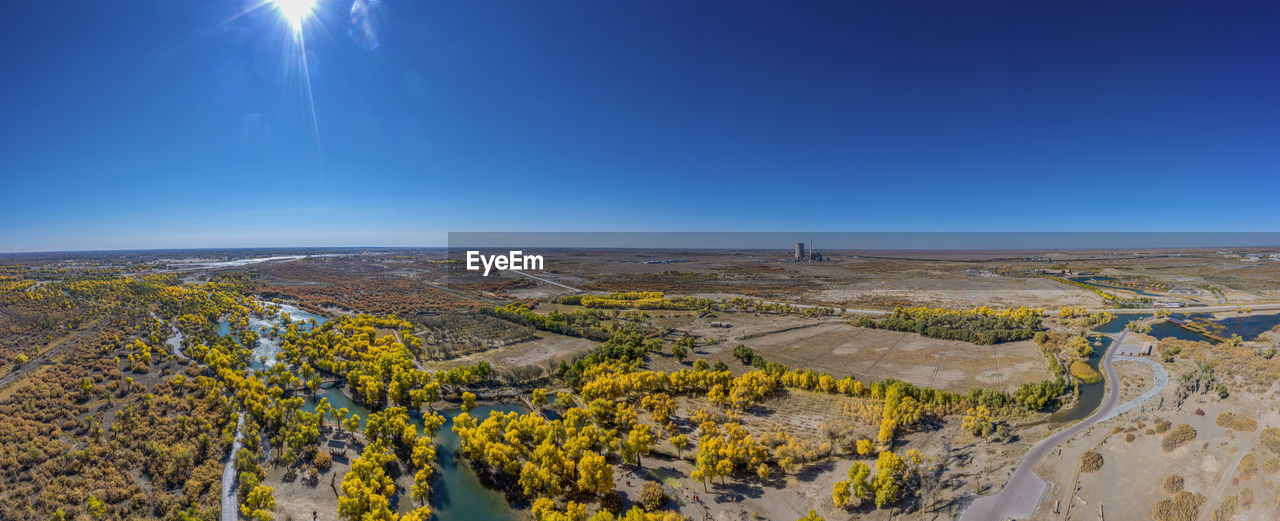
[(811, 472)]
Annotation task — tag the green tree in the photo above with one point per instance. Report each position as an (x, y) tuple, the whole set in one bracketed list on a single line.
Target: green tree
[(680, 352)]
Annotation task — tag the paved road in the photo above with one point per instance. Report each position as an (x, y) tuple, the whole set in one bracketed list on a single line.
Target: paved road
[(1021, 495), (1161, 377), (230, 506)]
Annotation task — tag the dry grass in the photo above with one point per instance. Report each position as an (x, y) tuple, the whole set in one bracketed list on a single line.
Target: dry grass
[(1271, 465), (1248, 467), (1226, 509), (1090, 461), (1234, 421), (873, 354), (1270, 439), (1184, 506)]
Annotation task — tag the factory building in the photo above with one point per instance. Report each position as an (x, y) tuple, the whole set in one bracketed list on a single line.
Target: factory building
[(809, 256)]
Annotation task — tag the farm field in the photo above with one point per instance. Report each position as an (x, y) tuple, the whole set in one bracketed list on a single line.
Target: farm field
[(842, 349)]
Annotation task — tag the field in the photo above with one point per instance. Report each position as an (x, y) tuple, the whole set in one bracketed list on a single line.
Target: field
[(841, 349)]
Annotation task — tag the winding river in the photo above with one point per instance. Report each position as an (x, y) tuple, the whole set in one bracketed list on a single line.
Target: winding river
[(457, 493)]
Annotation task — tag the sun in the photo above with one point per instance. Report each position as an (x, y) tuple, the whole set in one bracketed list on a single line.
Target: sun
[(294, 11)]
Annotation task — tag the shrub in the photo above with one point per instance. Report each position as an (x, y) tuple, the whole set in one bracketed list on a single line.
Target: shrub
[(611, 502), (1271, 439), (1247, 468), (1162, 426), (1173, 483), (1129, 437), (1085, 373), (1226, 509), (1090, 461), (652, 497), (1184, 506), (1271, 465), (1239, 422), (323, 460), (1180, 435)]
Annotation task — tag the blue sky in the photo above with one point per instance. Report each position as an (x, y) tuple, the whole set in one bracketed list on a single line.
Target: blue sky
[(156, 124)]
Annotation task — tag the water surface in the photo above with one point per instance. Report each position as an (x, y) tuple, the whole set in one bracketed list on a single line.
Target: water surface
[(1090, 394), (457, 493), (269, 347)]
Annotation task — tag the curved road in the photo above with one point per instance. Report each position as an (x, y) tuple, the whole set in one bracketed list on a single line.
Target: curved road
[(1021, 495)]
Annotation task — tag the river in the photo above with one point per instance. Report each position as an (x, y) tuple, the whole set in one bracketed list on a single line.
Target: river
[(268, 347), (1248, 327), (457, 493), (1090, 394)]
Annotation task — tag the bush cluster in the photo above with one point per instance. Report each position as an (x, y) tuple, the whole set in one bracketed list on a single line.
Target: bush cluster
[(1180, 435)]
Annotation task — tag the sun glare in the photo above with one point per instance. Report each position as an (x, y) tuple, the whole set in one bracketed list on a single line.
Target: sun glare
[(294, 11)]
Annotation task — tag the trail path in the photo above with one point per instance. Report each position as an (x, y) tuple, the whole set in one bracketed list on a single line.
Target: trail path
[(230, 504), (44, 357)]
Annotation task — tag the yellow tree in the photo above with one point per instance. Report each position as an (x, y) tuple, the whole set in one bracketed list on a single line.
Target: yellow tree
[(858, 482), (366, 487), (259, 504), (840, 493), (681, 442), (888, 467), (637, 444), (594, 474)]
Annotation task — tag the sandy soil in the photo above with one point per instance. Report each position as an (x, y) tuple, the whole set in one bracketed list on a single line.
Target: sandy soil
[(547, 348), (297, 499), (1129, 483), (1135, 379), (942, 289)]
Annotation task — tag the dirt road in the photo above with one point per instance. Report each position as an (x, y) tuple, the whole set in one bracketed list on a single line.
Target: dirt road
[(42, 358), (230, 505)]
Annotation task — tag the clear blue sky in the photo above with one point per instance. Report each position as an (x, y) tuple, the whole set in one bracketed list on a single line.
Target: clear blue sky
[(158, 123)]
